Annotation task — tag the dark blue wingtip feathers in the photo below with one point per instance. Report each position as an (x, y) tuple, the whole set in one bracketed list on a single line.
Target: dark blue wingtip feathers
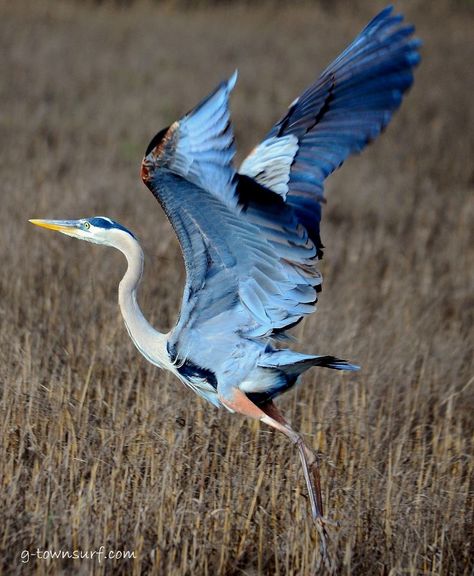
[(350, 104)]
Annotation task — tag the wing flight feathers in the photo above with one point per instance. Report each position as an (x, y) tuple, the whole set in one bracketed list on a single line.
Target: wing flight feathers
[(344, 110)]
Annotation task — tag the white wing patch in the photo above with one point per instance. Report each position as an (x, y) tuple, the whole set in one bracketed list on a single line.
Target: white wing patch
[(270, 162)]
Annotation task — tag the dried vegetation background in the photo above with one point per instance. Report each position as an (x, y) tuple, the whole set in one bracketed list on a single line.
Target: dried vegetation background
[(98, 447)]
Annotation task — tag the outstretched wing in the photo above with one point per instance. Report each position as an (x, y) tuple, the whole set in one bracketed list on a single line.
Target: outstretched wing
[(245, 253), (346, 108)]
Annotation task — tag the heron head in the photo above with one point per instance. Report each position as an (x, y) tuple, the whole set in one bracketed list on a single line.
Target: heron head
[(99, 229)]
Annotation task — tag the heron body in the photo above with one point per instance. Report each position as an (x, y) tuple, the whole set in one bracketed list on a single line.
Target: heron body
[(251, 237)]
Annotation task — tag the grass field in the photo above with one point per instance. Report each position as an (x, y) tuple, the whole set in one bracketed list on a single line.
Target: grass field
[(99, 448)]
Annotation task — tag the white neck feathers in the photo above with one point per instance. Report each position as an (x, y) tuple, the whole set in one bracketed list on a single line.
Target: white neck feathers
[(150, 342)]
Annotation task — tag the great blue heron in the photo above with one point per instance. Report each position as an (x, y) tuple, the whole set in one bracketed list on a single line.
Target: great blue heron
[(250, 238)]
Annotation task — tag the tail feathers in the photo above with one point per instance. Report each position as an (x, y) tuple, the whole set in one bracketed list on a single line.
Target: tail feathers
[(335, 363), (294, 363)]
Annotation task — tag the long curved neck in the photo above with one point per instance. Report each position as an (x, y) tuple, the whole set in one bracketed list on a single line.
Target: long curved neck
[(150, 342)]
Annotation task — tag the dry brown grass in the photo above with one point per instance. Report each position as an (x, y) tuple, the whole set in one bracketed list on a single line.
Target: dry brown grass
[(100, 448)]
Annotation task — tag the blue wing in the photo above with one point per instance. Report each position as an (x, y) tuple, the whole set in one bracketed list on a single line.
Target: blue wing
[(346, 108), (243, 247)]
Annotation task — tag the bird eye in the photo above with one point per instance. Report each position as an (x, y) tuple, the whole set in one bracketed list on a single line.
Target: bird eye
[(86, 225)]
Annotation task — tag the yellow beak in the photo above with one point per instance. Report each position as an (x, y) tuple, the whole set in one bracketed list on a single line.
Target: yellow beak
[(59, 225)]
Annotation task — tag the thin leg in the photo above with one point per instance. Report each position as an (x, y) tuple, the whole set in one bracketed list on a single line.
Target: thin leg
[(269, 414), (310, 471), (308, 459)]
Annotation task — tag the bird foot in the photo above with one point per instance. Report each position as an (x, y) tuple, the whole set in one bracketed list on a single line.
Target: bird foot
[(321, 522), (324, 539)]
